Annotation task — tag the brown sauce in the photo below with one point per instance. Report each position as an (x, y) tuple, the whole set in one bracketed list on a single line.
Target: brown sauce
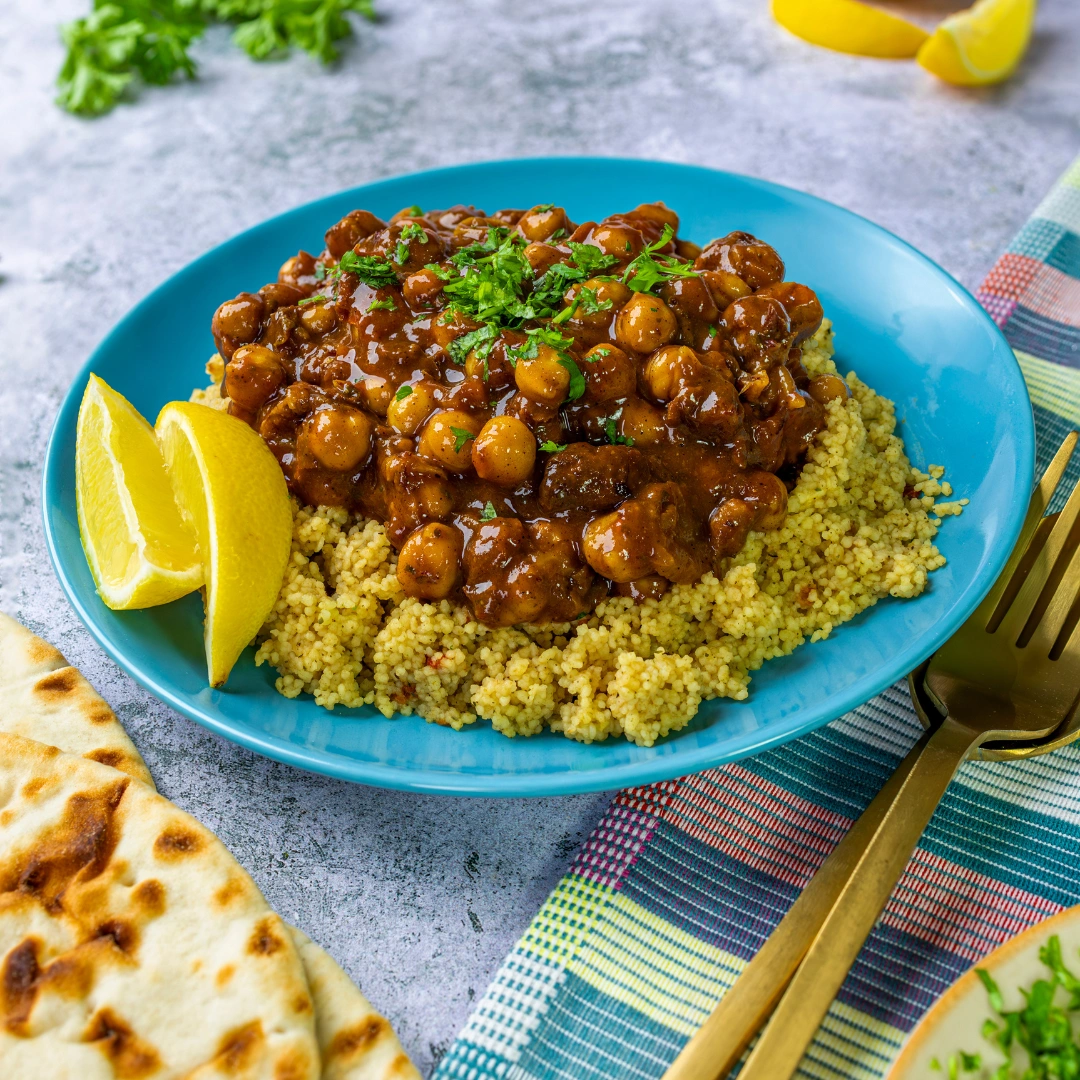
[(542, 413)]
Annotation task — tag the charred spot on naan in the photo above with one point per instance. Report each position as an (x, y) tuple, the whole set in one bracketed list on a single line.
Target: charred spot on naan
[(58, 684), (292, 1064), (18, 983), (177, 842), (358, 1039), (224, 975), (131, 1057), (303, 1004), (123, 935), (149, 895), (236, 888), (240, 1048), (80, 845), (265, 941)]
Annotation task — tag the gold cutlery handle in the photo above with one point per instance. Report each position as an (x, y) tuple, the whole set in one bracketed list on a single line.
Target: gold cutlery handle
[(718, 1045), (817, 981)]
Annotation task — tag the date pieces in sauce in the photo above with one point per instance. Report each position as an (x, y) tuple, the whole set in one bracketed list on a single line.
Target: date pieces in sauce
[(542, 413)]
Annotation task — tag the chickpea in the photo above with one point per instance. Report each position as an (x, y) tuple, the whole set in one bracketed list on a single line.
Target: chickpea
[(279, 294), (656, 212), (319, 318), (825, 388), (339, 437), (448, 437), (662, 370), (541, 222), (619, 240), (252, 376), (801, 304), (744, 255), (691, 296), (350, 230), (543, 377), (729, 526), (767, 496), (609, 374), (504, 452), (687, 249), (642, 422), (421, 288), (237, 322), (541, 256), (377, 393), (430, 562), (645, 323), (406, 412), (298, 271), (724, 287)]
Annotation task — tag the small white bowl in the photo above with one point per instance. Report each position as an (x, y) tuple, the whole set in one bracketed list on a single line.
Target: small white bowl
[(955, 1022)]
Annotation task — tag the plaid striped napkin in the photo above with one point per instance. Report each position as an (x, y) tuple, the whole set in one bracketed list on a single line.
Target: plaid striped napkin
[(682, 881)]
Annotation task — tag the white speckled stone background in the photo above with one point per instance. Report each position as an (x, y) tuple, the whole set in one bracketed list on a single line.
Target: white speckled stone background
[(420, 898)]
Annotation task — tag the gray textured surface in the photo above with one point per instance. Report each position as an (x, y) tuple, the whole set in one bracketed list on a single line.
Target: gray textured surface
[(420, 898)]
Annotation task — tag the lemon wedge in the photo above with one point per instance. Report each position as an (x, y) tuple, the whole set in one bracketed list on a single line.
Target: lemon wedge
[(981, 45), (230, 486), (139, 548), (850, 27)]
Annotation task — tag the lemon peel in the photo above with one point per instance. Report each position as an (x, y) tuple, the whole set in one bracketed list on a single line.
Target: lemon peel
[(140, 550), (850, 27), (981, 45), (231, 487)]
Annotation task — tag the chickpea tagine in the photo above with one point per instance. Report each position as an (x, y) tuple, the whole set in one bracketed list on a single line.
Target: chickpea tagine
[(541, 413), (578, 476)]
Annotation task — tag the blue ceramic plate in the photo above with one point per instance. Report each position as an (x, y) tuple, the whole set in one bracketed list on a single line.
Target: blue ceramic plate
[(907, 327)]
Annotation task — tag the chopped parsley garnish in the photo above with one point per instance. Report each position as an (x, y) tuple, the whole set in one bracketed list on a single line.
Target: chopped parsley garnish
[(613, 435), (543, 208), (374, 272), (488, 512), (712, 332), (414, 210), (1042, 1027), (386, 304), (318, 298), (461, 437), (481, 340), (550, 447), (587, 300), (403, 392), (412, 231), (647, 270)]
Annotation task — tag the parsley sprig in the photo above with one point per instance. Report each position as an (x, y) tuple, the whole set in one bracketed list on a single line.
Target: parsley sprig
[(123, 41), (648, 270)]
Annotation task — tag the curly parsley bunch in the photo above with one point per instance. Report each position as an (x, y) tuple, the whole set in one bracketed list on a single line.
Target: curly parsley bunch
[(122, 41)]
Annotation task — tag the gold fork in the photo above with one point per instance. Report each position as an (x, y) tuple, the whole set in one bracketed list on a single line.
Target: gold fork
[(1010, 673)]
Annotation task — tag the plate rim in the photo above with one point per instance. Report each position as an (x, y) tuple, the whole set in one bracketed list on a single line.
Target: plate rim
[(537, 784)]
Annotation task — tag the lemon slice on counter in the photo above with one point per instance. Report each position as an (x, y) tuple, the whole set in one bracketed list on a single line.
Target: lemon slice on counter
[(230, 485), (850, 27), (981, 45), (139, 548)]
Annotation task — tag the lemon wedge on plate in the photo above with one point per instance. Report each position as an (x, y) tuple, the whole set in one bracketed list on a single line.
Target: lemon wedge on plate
[(230, 486), (139, 548), (981, 45), (850, 27)]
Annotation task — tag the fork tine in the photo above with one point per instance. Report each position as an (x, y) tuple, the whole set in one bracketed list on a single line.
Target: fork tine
[(1040, 500), (1022, 608), (1054, 619)]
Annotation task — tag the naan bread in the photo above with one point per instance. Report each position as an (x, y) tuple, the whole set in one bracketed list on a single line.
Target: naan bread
[(355, 1042), (43, 698), (132, 944)]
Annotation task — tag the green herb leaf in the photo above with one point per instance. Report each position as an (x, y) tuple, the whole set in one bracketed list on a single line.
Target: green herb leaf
[(645, 272), (318, 298), (403, 392), (488, 512), (374, 272), (412, 231), (613, 435), (550, 447), (577, 381), (268, 28), (481, 340), (461, 437), (414, 211), (385, 304)]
